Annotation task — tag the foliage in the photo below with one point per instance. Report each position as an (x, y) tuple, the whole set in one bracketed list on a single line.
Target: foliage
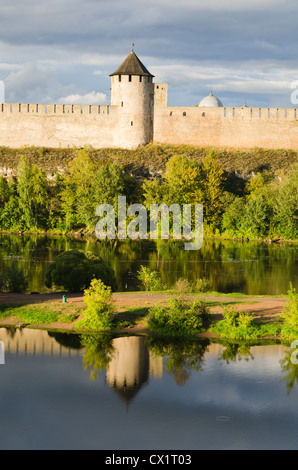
[(201, 285), (99, 314), (99, 351), (235, 325), (150, 280), (182, 355), (289, 315), (86, 185), (290, 369), (75, 269), (33, 196), (285, 207), (241, 326), (179, 318), (182, 286), (13, 279), (245, 194)]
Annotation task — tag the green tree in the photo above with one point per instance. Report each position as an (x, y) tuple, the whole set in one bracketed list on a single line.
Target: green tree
[(212, 185), (183, 177), (99, 314), (10, 213), (33, 196), (75, 269), (4, 191), (285, 207), (13, 279), (76, 192)]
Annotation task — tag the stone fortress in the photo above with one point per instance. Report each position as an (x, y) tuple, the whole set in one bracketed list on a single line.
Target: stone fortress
[(139, 114)]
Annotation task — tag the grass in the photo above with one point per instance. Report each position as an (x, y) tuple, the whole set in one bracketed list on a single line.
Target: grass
[(41, 313), (53, 311), (237, 325), (130, 317), (154, 157)]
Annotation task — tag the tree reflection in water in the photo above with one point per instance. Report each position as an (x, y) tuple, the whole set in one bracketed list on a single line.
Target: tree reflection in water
[(290, 369), (182, 355), (230, 266), (99, 351), (236, 351)]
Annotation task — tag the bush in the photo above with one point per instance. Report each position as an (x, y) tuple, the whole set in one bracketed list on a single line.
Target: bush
[(201, 285), (289, 315), (180, 318), (236, 326), (182, 286), (99, 314), (150, 280), (75, 269), (13, 279)]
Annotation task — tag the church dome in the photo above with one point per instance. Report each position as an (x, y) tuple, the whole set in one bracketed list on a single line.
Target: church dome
[(210, 101)]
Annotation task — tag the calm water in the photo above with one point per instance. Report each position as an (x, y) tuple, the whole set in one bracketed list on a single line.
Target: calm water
[(251, 268), (64, 391)]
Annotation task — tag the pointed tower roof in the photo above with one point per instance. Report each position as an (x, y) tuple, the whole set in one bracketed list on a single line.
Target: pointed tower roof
[(132, 66)]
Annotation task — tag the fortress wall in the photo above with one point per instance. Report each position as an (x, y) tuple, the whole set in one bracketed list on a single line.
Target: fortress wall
[(227, 127), (58, 125)]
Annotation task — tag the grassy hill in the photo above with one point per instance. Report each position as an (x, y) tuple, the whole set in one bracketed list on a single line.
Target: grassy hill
[(150, 160)]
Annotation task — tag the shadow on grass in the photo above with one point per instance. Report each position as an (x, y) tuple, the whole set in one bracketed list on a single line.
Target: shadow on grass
[(131, 316)]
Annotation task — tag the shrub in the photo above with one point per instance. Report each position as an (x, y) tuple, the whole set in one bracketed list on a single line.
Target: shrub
[(236, 326), (179, 318), (75, 269), (150, 280), (289, 315), (99, 314), (182, 286), (201, 285)]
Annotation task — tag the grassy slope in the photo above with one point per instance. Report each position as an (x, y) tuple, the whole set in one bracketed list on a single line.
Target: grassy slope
[(151, 159)]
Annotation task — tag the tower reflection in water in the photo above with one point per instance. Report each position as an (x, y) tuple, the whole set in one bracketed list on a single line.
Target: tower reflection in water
[(131, 367)]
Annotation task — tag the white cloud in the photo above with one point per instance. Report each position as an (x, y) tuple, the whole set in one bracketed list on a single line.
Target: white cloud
[(88, 98), (231, 46)]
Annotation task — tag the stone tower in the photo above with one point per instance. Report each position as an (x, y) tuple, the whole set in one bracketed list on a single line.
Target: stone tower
[(132, 93)]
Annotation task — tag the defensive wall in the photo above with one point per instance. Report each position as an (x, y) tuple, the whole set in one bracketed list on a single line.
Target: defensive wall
[(246, 127), (125, 126), (52, 125)]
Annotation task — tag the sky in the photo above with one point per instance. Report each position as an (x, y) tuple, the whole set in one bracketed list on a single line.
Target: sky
[(63, 51)]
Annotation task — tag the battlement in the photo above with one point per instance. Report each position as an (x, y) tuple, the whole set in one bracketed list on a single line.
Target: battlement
[(139, 113), (243, 127), (234, 113), (54, 109)]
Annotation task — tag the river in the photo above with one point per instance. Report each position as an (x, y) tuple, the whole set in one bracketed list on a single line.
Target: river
[(66, 391), (230, 266)]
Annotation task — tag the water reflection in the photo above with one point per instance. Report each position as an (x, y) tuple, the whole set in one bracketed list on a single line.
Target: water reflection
[(182, 356), (290, 370), (64, 390), (129, 362), (250, 267)]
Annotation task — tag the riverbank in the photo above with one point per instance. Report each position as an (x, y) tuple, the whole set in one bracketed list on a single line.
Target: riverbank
[(131, 309), (89, 234)]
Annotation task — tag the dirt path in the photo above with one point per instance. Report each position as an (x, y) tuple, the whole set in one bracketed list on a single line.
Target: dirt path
[(269, 308)]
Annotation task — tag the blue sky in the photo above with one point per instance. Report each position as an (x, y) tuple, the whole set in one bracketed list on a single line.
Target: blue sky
[(64, 50)]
